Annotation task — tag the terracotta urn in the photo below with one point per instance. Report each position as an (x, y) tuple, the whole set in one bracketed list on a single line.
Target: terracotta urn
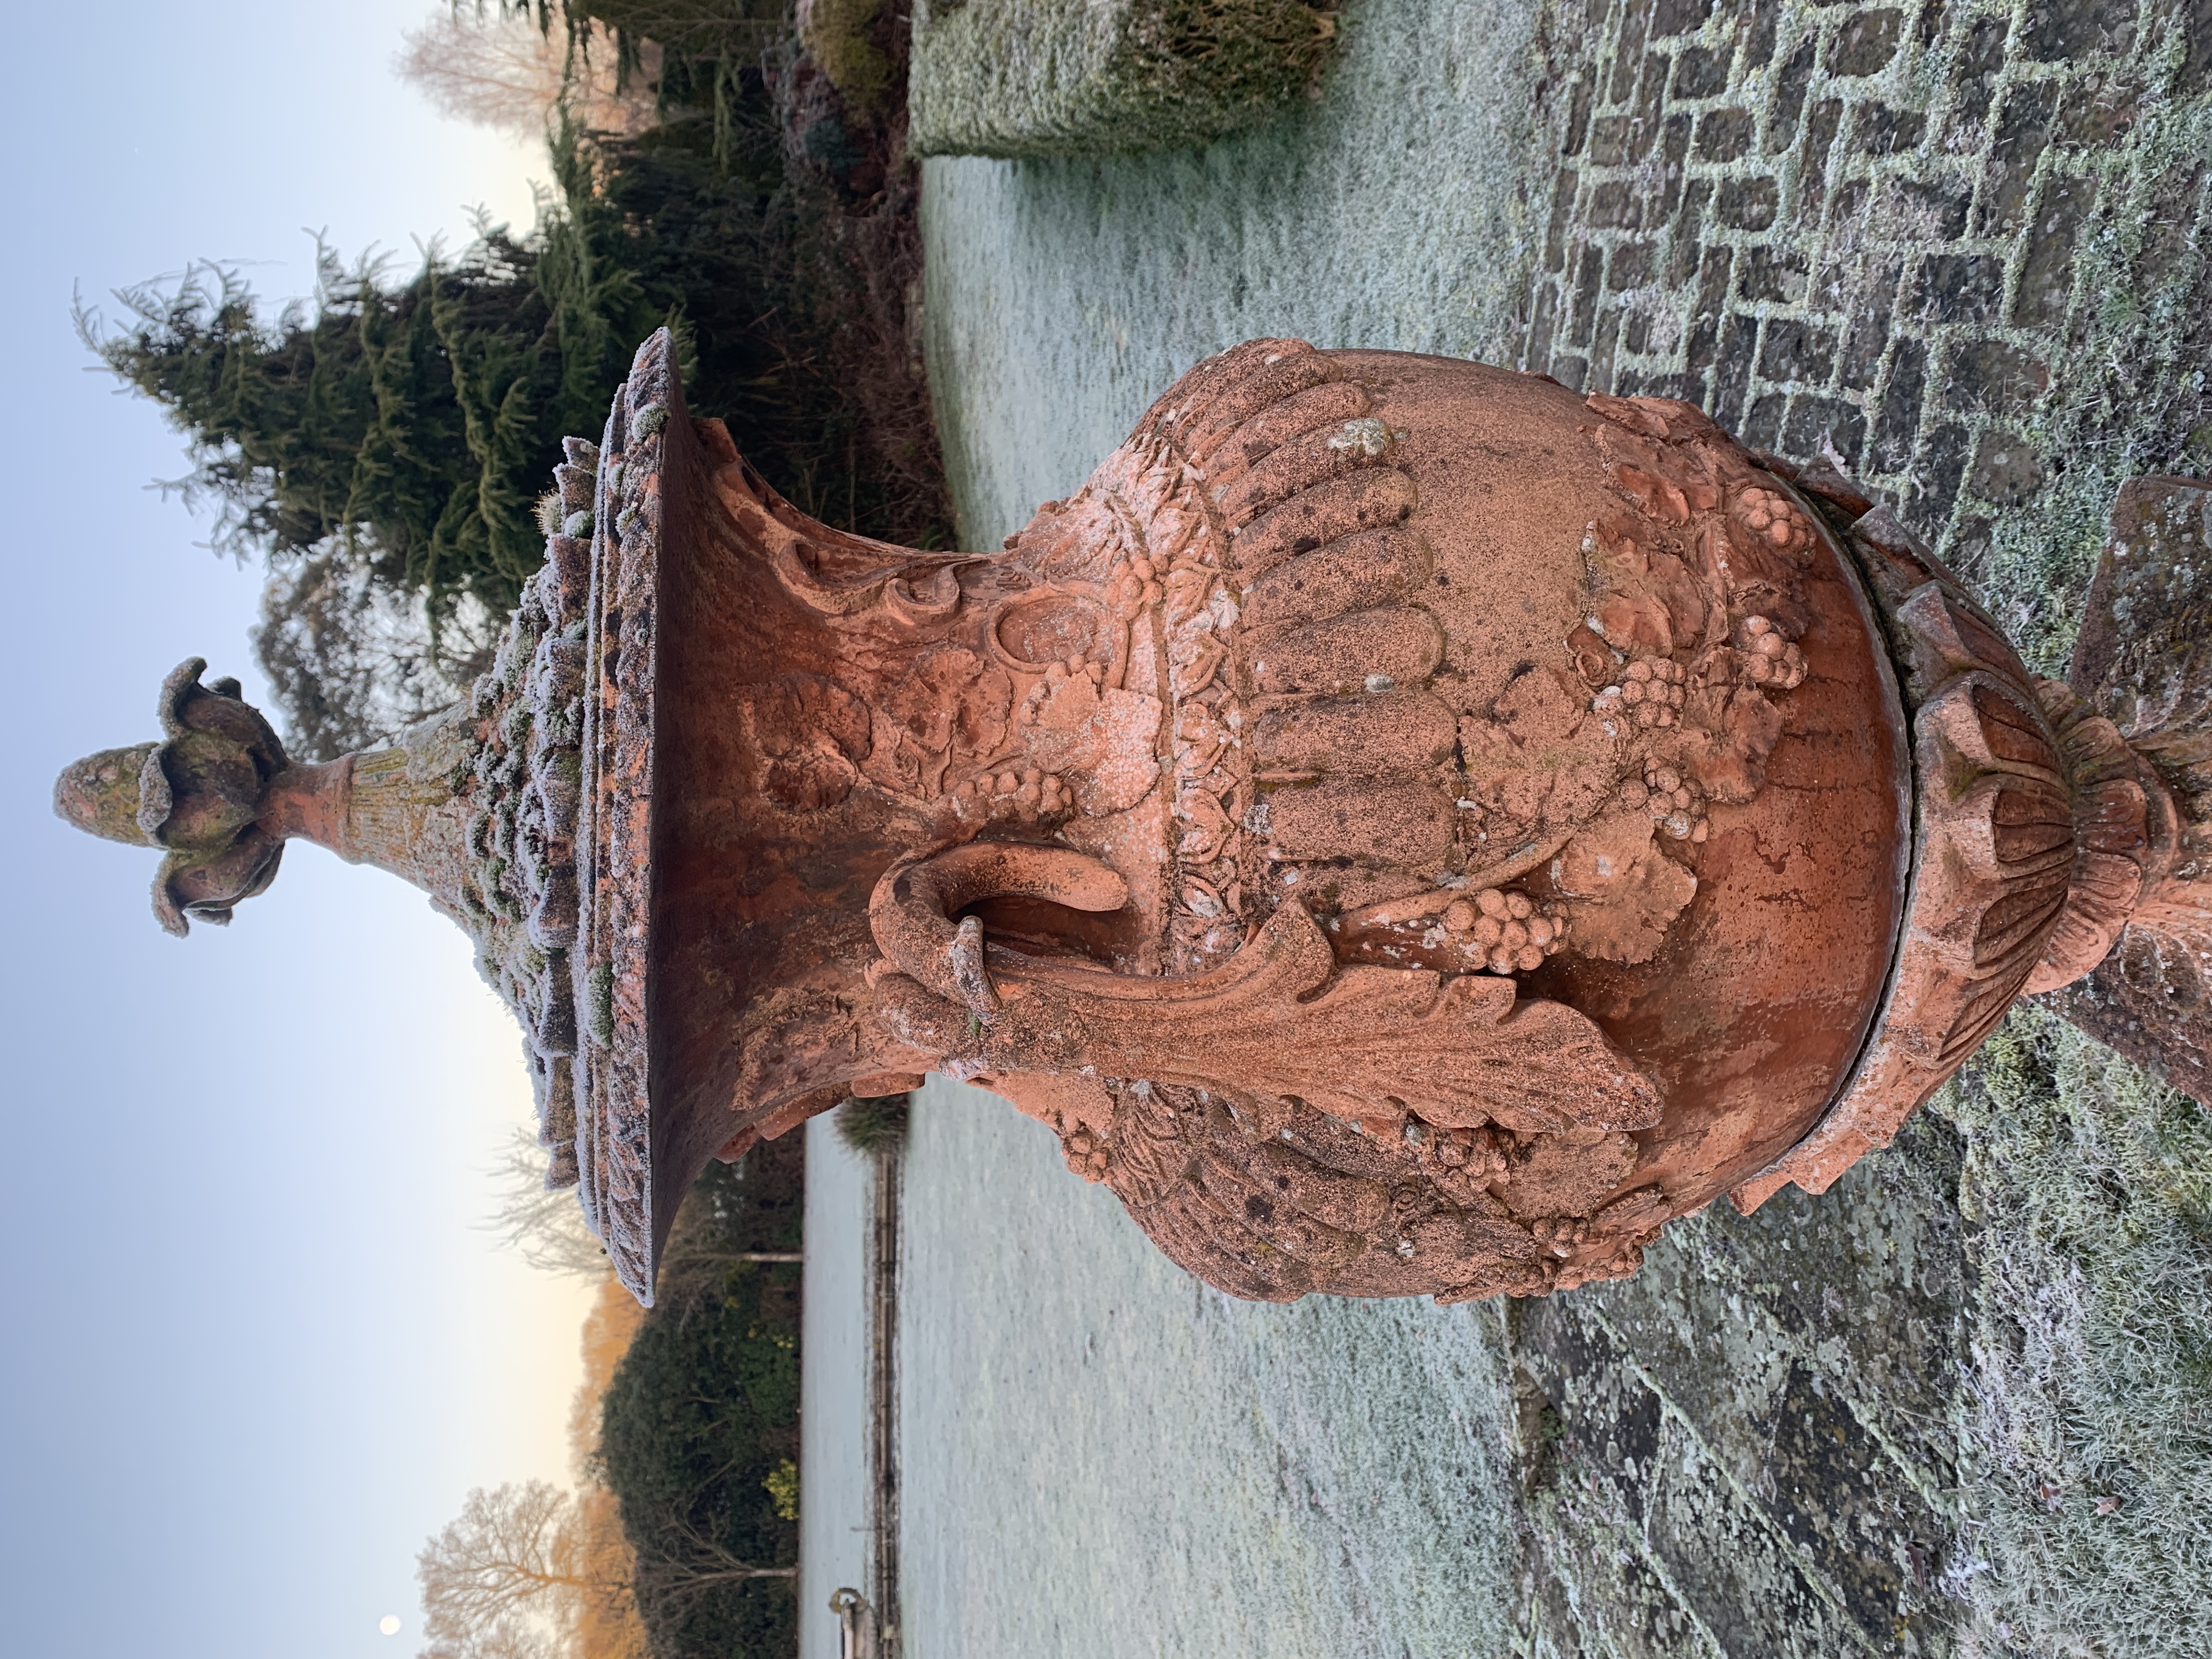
[(1407, 827)]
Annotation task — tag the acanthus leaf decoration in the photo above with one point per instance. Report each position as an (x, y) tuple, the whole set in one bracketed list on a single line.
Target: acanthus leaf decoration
[(1279, 1017)]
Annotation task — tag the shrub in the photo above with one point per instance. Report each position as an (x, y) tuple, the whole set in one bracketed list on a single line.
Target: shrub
[(699, 1431)]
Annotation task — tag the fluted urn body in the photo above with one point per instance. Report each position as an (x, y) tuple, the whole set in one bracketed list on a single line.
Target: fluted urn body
[(1406, 826)]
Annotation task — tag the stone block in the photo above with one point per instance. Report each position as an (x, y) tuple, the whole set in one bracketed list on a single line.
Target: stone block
[(1980, 57), (1759, 31), (1924, 212), (1703, 343), (1747, 203), (1578, 117), (1590, 282), (1873, 289), (1563, 210), (1615, 140), (1817, 421), (1796, 80), (1847, 207), (1725, 134), (1016, 78), (1771, 273), (1990, 375), (1672, 17), (1898, 422), (1685, 250), (2047, 281), (1602, 349), (1797, 351), (2023, 130), (1628, 56), (1866, 43), (1540, 320), (1701, 72), (1940, 469), (1961, 288), (1820, 139), (2062, 30), (1651, 90), (1880, 130), (1762, 428), (1739, 345), (1629, 266), (1674, 149), (2099, 108), (2006, 469), (1614, 205)]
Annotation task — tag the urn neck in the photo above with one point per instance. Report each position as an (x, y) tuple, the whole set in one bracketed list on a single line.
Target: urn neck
[(394, 806)]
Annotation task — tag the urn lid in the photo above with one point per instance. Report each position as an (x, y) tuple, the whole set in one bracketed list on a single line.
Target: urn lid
[(628, 1195), (526, 812), (562, 838), (196, 795)]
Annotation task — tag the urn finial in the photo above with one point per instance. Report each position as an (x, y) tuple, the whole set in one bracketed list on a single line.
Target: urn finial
[(200, 794)]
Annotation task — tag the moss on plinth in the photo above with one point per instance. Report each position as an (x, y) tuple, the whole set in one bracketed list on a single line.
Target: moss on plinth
[(1063, 77)]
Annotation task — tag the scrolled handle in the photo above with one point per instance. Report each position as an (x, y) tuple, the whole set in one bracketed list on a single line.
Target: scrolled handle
[(912, 909)]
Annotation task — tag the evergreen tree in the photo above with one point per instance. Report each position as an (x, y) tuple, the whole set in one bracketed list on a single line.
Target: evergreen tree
[(410, 424), (383, 446)]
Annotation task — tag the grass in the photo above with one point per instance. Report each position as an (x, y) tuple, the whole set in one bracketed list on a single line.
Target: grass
[(872, 1124), (2086, 1442)]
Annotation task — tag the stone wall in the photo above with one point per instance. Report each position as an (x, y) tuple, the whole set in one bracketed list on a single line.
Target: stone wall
[(1094, 78), (1956, 241)]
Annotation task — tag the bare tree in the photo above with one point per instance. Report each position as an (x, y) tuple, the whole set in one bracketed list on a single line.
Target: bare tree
[(354, 664), (516, 1576), (500, 1583), (545, 1224), (685, 1562), (495, 67)]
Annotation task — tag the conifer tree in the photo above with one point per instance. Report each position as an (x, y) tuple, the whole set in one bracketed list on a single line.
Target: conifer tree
[(382, 445)]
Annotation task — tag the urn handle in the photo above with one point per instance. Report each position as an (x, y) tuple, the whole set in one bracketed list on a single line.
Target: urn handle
[(1279, 1019), (915, 901)]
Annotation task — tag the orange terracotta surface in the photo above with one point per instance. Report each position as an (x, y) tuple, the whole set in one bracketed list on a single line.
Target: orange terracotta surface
[(1408, 828)]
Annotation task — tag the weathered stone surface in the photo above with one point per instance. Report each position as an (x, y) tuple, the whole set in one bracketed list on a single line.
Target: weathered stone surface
[(1939, 177), (1746, 1449)]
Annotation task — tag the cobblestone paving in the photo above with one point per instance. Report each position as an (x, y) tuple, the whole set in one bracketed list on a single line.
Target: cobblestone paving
[(1962, 245), (1748, 1450), (1961, 241)]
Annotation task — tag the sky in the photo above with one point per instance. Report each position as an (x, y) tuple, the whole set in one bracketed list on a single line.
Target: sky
[(259, 1343)]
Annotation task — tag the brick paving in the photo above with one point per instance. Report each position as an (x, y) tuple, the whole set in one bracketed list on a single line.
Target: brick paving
[(1963, 243), (1891, 230)]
